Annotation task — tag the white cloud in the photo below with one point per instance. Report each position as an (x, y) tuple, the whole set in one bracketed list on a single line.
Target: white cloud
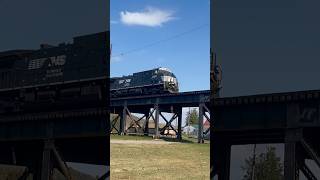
[(116, 59), (151, 17)]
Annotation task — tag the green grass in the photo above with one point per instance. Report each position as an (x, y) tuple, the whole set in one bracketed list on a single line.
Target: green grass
[(131, 137), (159, 161)]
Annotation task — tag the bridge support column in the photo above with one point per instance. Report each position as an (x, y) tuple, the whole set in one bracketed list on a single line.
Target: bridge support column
[(146, 126), (203, 109), (179, 113), (291, 171), (221, 153), (156, 121), (50, 152), (46, 169), (290, 163), (200, 123), (123, 119)]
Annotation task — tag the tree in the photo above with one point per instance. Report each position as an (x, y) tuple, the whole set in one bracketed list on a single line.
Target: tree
[(267, 166), (192, 117)]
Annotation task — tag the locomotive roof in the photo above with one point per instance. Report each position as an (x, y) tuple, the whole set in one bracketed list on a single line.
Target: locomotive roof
[(159, 68), (14, 53), (83, 39)]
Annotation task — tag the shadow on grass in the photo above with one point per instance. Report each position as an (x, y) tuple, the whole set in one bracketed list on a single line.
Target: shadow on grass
[(184, 140)]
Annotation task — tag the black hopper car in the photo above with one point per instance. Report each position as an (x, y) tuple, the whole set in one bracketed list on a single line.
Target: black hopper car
[(155, 81), (51, 77)]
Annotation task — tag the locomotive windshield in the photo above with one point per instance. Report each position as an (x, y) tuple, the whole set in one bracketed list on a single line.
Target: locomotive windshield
[(169, 79)]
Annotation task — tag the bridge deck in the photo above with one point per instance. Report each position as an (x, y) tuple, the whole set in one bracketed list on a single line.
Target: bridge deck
[(267, 111), (269, 98), (185, 99), (292, 118)]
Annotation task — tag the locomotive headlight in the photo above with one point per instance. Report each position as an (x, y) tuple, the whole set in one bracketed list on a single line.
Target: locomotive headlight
[(169, 80)]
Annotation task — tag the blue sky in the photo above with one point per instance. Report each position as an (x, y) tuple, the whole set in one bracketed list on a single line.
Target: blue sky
[(181, 26)]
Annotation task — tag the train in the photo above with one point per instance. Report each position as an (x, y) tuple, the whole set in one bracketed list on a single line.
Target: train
[(155, 81), (51, 75)]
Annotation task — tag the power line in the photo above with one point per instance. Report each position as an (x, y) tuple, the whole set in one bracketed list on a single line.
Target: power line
[(161, 41)]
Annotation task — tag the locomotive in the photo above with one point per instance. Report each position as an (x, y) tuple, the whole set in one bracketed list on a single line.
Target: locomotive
[(155, 81), (51, 76)]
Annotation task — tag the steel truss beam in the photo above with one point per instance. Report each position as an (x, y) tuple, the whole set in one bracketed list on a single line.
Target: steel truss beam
[(155, 115), (50, 153), (135, 123), (114, 122), (105, 176), (307, 172), (168, 125), (149, 114), (311, 152), (50, 159)]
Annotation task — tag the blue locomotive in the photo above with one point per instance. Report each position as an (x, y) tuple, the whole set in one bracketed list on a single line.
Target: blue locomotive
[(156, 81)]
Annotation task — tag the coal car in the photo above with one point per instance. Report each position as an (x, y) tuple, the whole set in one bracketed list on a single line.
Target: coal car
[(156, 81)]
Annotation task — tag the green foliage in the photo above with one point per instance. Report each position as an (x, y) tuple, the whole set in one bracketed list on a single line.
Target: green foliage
[(267, 166), (192, 117)]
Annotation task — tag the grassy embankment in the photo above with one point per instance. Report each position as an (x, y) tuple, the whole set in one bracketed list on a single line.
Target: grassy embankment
[(134, 160)]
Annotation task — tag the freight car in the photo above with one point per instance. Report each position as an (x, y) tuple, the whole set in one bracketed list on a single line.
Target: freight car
[(156, 81), (52, 75)]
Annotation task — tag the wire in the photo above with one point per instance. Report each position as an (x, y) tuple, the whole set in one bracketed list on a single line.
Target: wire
[(161, 41)]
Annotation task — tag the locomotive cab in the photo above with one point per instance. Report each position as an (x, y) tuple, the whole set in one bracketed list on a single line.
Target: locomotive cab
[(169, 80)]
